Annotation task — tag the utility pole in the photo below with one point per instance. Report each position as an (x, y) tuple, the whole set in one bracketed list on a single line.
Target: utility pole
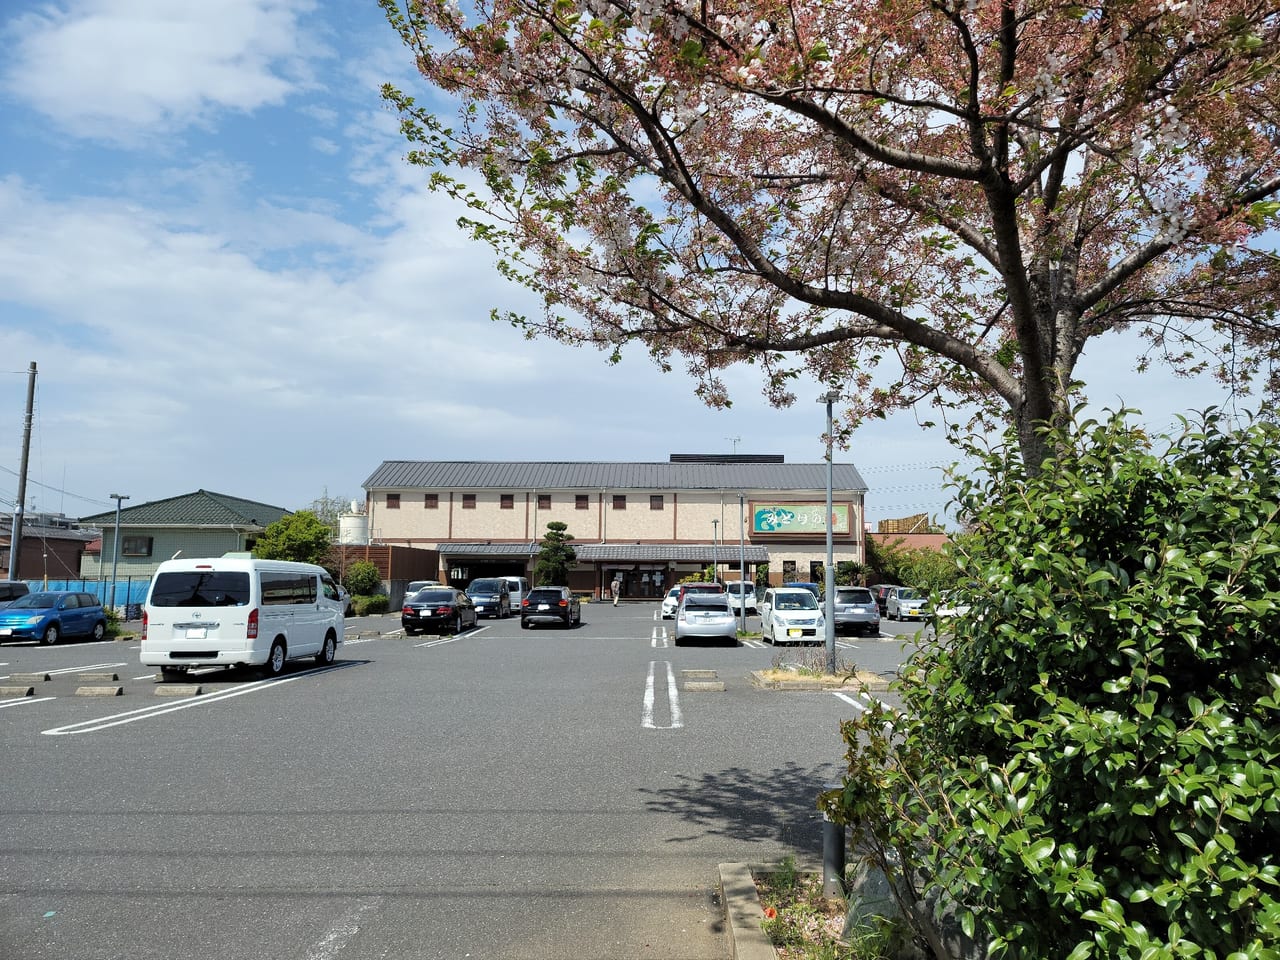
[(115, 548), (15, 533)]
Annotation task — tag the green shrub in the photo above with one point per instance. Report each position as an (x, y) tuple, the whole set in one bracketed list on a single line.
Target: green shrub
[(366, 605), (362, 579), (1091, 767)]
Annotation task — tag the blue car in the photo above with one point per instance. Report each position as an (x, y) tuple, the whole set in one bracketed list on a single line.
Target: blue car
[(49, 615)]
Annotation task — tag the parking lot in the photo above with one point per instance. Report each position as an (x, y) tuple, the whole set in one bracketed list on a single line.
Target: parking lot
[(502, 793)]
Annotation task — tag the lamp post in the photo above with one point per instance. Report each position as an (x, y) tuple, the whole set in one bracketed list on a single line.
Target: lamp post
[(742, 561), (115, 547), (715, 543), (829, 573)]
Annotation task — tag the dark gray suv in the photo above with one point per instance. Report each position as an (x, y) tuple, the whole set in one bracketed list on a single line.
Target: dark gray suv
[(550, 605), (11, 590)]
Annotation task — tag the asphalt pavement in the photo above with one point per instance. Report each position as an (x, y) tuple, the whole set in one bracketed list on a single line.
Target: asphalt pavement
[(532, 795)]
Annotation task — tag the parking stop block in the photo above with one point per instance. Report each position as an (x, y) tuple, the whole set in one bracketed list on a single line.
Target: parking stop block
[(179, 690), (29, 677), (17, 691), (99, 691)]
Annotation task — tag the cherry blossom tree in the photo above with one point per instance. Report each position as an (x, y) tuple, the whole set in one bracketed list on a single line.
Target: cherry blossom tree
[(963, 192)]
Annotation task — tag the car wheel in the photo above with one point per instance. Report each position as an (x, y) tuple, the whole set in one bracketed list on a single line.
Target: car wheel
[(457, 623), (524, 625), (50, 636), (99, 630), (275, 660), (327, 652)]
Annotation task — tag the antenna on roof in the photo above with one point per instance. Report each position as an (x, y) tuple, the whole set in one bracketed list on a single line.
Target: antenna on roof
[(734, 441)]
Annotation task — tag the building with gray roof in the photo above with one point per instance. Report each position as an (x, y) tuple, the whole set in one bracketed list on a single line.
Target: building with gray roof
[(651, 523)]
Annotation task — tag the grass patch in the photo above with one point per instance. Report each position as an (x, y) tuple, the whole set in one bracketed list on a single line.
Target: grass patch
[(805, 925), (810, 663)]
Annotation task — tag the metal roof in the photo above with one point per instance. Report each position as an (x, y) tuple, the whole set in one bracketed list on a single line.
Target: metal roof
[(507, 475), (605, 552), (201, 508)]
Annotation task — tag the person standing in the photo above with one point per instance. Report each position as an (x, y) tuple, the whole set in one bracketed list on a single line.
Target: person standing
[(617, 587)]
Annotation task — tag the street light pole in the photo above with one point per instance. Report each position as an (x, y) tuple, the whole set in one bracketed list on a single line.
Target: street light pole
[(829, 573), (715, 543), (742, 561), (115, 547)]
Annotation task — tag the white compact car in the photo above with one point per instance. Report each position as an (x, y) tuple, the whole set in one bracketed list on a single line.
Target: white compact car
[(671, 603), (741, 593), (791, 615)]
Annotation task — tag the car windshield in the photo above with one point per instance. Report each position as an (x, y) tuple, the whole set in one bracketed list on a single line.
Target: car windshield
[(907, 593), (673, 592), (36, 601), (433, 596), (799, 600), (853, 596), (739, 589), (485, 586), (545, 596)]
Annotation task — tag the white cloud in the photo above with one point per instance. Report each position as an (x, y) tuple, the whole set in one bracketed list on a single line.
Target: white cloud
[(117, 69)]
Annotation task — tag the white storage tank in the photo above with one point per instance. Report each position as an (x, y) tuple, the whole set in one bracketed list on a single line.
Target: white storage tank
[(353, 528)]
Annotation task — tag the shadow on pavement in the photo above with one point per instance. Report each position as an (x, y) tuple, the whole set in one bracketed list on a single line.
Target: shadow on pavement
[(742, 804)]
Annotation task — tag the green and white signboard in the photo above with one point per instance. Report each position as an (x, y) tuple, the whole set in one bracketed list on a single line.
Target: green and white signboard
[(799, 519)]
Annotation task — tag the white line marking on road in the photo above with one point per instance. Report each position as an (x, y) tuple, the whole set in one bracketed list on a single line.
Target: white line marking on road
[(335, 941), (650, 699), (660, 639), (147, 713), (863, 702), (92, 666), (145, 676), (21, 700)]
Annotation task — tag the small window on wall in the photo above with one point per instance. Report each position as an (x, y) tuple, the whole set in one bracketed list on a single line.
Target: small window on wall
[(655, 501), (431, 501), (468, 501), (507, 501), (393, 501), (544, 501), (619, 501), (789, 571), (135, 546), (581, 502)]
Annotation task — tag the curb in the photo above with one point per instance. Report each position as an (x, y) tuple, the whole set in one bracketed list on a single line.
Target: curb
[(743, 914), (759, 681)]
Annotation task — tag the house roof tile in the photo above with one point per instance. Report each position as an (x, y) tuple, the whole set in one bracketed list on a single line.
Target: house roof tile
[(201, 508)]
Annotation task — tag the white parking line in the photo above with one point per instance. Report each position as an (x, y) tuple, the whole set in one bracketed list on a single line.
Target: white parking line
[(660, 639), (650, 699), (147, 713), (863, 702), (21, 700)]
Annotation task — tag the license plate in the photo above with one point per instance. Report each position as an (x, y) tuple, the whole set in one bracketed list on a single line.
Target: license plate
[(197, 633), (544, 606), (793, 632), (479, 608), (6, 632)]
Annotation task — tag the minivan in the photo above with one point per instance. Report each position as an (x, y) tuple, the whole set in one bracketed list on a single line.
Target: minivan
[(11, 590), (518, 587), (239, 611)]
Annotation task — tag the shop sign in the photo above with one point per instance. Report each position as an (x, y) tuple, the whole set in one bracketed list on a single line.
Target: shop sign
[(799, 519)]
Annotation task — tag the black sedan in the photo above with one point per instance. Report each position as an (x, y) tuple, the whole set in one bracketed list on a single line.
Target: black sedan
[(550, 605), (436, 610)]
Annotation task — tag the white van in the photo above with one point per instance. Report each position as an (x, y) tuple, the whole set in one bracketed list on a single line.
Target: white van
[(518, 588), (239, 611)]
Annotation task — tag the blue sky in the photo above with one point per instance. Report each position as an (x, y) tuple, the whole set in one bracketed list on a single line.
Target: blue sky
[(230, 279)]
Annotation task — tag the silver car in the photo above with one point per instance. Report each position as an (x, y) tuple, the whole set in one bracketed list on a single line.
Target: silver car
[(856, 612), (903, 603), (706, 616)]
